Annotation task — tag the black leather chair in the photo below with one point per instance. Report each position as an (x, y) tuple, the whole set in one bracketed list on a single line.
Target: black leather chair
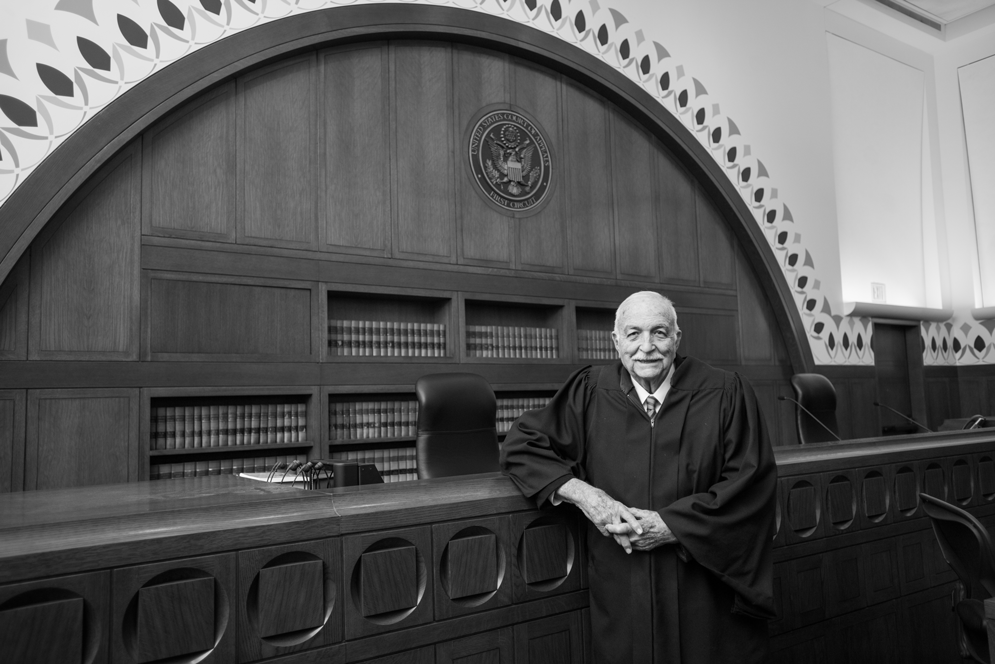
[(457, 425), (967, 548), (817, 394)]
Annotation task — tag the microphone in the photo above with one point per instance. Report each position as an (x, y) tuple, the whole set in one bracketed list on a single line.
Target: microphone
[(809, 413), (976, 422), (904, 417)]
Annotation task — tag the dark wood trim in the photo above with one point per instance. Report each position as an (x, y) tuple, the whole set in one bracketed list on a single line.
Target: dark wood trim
[(34, 203)]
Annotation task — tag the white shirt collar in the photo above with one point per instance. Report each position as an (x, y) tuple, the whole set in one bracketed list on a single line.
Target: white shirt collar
[(661, 392)]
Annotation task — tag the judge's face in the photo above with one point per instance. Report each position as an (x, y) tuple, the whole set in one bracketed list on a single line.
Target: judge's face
[(647, 341)]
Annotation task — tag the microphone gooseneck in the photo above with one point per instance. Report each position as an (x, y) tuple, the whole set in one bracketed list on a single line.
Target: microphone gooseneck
[(903, 416), (809, 413)]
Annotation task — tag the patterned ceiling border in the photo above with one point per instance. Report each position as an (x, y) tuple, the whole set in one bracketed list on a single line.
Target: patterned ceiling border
[(68, 59)]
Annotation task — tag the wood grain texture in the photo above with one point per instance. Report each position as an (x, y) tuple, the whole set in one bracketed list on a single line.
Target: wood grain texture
[(54, 630), (757, 328), (355, 207), (553, 640), (291, 597), (187, 606), (494, 647), (47, 632), (81, 437), (12, 419), (986, 477), (203, 317), (845, 581), (934, 637), (840, 501), (480, 78), (545, 553), (175, 618), (14, 293), (322, 558), (586, 141), (277, 155), (189, 170), (807, 600), (676, 218), (389, 580), (881, 566), (914, 561), (542, 237), (962, 482), (421, 84), (709, 336), (636, 228), (874, 492), (473, 565), (482, 580), (524, 589), (716, 255), (84, 281)]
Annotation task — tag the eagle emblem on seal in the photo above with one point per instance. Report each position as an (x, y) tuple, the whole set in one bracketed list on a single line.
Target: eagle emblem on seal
[(509, 160)]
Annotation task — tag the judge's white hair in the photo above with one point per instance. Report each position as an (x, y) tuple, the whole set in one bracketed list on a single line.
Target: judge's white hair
[(646, 298)]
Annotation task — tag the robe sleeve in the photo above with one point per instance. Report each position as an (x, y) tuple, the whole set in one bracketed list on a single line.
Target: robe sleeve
[(729, 528), (544, 448)]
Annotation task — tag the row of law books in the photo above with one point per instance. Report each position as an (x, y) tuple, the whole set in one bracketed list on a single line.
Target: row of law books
[(398, 464), (373, 338), (512, 342), (509, 410), (362, 420), (595, 345), (194, 427), (259, 464)]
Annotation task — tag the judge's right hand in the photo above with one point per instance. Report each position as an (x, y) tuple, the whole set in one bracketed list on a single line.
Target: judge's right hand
[(600, 509)]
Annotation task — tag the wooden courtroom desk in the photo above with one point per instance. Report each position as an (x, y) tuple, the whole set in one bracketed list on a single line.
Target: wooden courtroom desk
[(432, 571), (239, 570)]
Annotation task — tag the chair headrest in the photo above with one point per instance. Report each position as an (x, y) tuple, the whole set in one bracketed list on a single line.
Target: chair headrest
[(814, 391), (455, 402)]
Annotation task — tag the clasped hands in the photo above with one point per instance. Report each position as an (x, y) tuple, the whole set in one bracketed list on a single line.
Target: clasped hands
[(632, 528)]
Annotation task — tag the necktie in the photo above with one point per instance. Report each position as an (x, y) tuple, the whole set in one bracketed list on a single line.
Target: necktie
[(650, 406)]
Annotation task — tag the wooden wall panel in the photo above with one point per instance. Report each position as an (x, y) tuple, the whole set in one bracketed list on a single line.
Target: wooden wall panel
[(276, 155), (11, 440), (675, 214), (585, 141), (709, 336), (716, 255), (480, 79), (756, 328), (189, 183), (14, 312), (354, 203), (421, 84), (542, 237), (636, 228), (81, 437), (204, 318), (85, 272)]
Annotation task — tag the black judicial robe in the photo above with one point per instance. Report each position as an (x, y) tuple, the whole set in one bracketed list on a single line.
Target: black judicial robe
[(707, 467)]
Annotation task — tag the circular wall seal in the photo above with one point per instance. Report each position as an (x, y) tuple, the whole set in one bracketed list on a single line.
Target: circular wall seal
[(510, 160)]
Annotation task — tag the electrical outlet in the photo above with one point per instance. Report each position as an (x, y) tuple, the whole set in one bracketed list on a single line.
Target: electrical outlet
[(878, 294)]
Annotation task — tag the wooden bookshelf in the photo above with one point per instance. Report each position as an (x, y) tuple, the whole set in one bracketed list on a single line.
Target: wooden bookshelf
[(388, 325), (521, 330), (201, 431), (593, 328)]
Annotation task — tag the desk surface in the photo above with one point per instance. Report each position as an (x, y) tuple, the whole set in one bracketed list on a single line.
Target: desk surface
[(100, 526)]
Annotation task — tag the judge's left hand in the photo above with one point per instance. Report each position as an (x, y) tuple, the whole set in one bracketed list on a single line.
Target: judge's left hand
[(655, 531)]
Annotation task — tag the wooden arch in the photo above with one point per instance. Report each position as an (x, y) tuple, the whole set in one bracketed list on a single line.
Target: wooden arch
[(35, 202)]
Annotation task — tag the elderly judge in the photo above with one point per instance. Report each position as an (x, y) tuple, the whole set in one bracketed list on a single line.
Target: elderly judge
[(669, 460)]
